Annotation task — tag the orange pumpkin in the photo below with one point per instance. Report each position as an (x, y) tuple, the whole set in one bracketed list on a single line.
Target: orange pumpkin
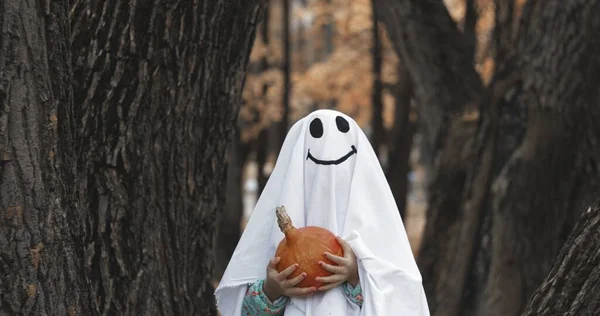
[(305, 246)]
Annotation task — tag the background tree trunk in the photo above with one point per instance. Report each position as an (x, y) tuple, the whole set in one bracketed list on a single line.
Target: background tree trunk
[(263, 141), (287, 79), (504, 29), (378, 131), (557, 156), (469, 27), (262, 149), (438, 59), (158, 87), (573, 285), (492, 231), (401, 140), (230, 222), (40, 230), (434, 53)]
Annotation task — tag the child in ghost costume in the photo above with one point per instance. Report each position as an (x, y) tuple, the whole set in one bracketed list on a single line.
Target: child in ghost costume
[(327, 175)]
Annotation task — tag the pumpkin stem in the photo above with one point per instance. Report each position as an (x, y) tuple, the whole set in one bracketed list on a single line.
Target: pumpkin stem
[(283, 219)]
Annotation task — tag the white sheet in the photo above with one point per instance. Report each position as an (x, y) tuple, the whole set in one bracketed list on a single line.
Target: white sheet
[(352, 199)]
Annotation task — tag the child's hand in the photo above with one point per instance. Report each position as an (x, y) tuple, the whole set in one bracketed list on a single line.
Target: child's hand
[(346, 270), (277, 284)]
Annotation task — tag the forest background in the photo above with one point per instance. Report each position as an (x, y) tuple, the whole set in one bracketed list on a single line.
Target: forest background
[(136, 136)]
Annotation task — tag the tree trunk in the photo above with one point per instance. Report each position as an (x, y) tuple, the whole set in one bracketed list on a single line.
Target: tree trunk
[(504, 30), (438, 59), (433, 50), (301, 41), (230, 222), (457, 232), (40, 230), (377, 137), (329, 31), (269, 134), (490, 241), (287, 80), (573, 286), (401, 142), (558, 78), (442, 226), (158, 87)]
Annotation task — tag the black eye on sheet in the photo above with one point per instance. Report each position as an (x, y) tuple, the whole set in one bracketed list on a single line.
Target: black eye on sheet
[(316, 128), (342, 124)]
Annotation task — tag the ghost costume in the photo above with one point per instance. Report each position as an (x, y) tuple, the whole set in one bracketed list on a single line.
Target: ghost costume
[(328, 175)]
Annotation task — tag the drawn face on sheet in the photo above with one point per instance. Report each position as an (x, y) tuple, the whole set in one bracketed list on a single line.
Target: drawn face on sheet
[(330, 156)]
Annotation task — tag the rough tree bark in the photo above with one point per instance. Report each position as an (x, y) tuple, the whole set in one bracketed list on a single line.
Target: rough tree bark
[(40, 253), (268, 137), (534, 141), (433, 51), (470, 27), (573, 286), (286, 69), (438, 59), (557, 156), (157, 87)]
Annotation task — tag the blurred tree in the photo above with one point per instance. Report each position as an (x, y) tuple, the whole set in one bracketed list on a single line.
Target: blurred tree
[(230, 221), (469, 28), (436, 56), (329, 29), (287, 86), (494, 239), (573, 285), (378, 131), (41, 230), (241, 147), (262, 142), (546, 87), (157, 89), (400, 142)]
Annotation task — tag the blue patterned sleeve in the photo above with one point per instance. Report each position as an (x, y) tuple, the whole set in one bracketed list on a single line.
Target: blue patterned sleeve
[(354, 294), (256, 302)]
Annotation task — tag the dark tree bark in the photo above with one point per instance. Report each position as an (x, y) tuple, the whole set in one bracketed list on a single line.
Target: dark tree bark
[(301, 41), (230, 222), (328, 47), (261, 148), (158, 87), (457, 232), (287, 80), (504, 29), (433, 51), (557, 156), (377, 137), (329, 32), (492, 243), (400, 143), (443, 213), (40, 231), (268, 137), (573, 286), (438, 59), (469, 27)]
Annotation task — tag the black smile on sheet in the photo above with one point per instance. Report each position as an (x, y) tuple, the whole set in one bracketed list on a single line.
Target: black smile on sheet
[(332, 162)]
